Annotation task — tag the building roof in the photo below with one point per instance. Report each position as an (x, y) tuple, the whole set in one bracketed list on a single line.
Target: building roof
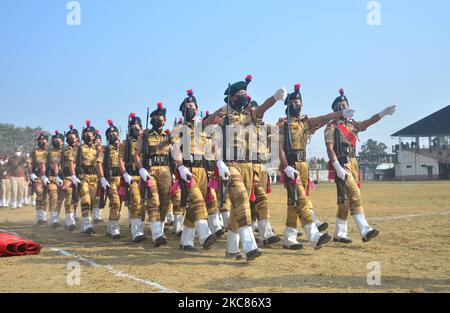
[(435, 124)]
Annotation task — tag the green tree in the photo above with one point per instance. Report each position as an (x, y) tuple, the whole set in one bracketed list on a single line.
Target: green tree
[(373, 147), (12, 137)]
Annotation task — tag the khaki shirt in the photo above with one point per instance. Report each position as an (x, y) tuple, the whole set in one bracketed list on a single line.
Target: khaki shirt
[(113, 156), (158, 144), (89, 155), (352, 125), (241, 137), (70, 155), (196, 148), (301, 132), (39, 157)]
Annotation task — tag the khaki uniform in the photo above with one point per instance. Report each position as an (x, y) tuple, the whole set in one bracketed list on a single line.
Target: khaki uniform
[(114, 178), (39, 156), (301, 133), (350, 200), (197, 194), (88, 177), (55, 159), (134, 205), (70, 155), (242, 173), (157, 202)]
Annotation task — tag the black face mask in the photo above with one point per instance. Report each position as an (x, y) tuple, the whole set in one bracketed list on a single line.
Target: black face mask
[(41, 145), (190, 114), (295, 110), (70, 141), (87, 140), (56, 144), (134, 133), (240, 102), (113, 139), (157, 124)]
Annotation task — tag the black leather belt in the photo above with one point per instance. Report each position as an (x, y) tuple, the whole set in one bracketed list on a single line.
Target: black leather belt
[(88, 170), (158, 160), (50, 173), (114, 172), (210, 165), (132, 170), (297, 156), (193, 163)]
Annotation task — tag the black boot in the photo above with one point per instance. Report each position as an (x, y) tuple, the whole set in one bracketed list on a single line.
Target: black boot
[(209, 242), (323, 227), (370, 235), (160, 241), (323, 241), (250, 256), (297, 246), (272, 240), (342, 240)]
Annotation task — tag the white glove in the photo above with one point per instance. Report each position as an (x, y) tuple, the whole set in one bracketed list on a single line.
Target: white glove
[(340, 171), (59, 181), (33, 177), (224, 171), (104, 183), (348, 113), (128, 179), (45, 180), (75, 180), (281, 94), (185, 173), (144, 174), (388, 111), (291, 172)]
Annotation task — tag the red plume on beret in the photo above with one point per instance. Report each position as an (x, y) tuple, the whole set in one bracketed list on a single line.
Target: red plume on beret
[(168, 132), (88, 123), (71, 126), (190, 93), (181, 120), (249, 78), (110, 122), (97, 131), (297, 87), (160, 106), (207, 113), (56, 132), (249, 98), (132, 115), (341, 91)]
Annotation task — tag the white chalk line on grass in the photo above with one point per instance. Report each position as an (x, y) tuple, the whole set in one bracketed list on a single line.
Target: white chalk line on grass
[(109, 268), (387, 218), (163, 289), (114, 271)]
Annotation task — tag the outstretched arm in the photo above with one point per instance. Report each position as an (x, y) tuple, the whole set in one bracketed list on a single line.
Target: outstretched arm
[(376, 118), (320, 121), (281, 94)]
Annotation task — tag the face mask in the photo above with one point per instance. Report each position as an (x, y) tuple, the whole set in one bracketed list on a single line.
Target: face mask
[(157, 124), (240, 102), (190, 114), (113, 139), (41, 145), (18, 154), (70, 141), (134, 132), (295, 110), (56, 144)]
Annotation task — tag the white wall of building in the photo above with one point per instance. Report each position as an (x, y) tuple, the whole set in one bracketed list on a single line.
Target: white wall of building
[(410, 165)]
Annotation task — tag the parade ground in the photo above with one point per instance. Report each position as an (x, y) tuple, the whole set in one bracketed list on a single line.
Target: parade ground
[(411, 254)]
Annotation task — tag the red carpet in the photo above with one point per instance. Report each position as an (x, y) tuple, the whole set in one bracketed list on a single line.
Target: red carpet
[(12, 245)]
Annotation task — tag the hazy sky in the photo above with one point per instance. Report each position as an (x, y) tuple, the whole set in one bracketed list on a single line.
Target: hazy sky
[(127, 55)]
